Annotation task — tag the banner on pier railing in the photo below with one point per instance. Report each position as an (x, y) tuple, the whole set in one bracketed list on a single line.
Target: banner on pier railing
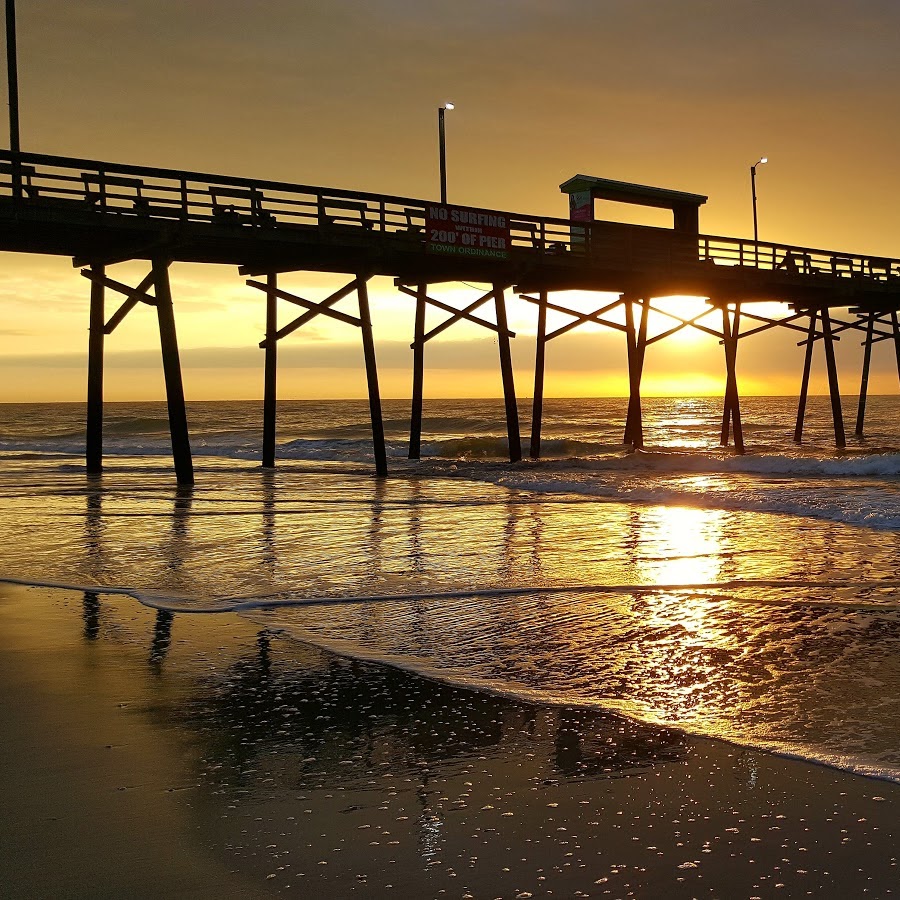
[(465, 231)]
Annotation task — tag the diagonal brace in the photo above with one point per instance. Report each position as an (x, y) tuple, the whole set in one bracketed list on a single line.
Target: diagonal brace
[(307, 304), (461, 314), (773, 323), (694, 323), (579, 317), (833, 331), (879, 319), (314, 310), (453, 310), (684, 323), (134, 295)]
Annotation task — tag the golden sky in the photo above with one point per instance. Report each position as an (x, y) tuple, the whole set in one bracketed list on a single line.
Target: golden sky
[(683, 94)]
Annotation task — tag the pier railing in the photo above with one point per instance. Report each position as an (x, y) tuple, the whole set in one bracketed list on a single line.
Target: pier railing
[(65, 184), (60, 185), (792, 260)]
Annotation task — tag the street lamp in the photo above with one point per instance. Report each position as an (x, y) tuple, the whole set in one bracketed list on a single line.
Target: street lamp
[(759, 162), (443, 149), (12, 81), (12, 76)]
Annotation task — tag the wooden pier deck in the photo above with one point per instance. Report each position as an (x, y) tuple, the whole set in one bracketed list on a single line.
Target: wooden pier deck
[(101, 214), (91, 211)]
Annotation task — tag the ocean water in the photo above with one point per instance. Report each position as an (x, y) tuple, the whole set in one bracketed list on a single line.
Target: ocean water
[(754, 599)]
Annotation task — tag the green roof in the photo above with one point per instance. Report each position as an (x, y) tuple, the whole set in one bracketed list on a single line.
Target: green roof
[(623, 192)]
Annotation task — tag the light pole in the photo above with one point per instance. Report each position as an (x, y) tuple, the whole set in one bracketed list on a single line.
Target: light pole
[(12, 75), (759, 162), (443, 149), (13, 87)]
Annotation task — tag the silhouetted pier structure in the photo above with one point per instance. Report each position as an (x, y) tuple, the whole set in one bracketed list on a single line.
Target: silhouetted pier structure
[(101, 214)]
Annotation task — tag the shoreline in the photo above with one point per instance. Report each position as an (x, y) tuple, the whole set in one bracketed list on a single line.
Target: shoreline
[(223, 758), (169, 605)]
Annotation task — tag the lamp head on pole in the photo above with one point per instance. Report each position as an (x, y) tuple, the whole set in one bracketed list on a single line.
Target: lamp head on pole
[(759, 162), (447, 105)]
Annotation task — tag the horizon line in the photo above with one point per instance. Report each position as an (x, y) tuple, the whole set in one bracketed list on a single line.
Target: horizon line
[(498, 398)]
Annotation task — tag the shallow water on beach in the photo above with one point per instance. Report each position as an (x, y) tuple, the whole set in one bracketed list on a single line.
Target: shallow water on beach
[(755, 599)]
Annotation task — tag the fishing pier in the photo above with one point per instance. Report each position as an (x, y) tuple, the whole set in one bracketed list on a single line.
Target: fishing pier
[(102, 214)]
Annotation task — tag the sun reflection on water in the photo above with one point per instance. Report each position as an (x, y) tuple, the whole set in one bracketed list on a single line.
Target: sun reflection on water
[(653, 611), (682, 546), (683, 639)]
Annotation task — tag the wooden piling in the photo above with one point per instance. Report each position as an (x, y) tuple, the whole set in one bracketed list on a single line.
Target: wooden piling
[(726, 404), (181, 447), (418, 373), (895, 327), (864, 379), (636, 339), (840, 439), (631, 348), (537, 403), (804, 383), (270, 386), (365, 319), (506, 373), (641, 356), (725, 434), (732, 413), (96, 336)]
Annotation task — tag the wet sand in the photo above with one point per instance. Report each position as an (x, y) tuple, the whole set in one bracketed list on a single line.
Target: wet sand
[(203, 757)]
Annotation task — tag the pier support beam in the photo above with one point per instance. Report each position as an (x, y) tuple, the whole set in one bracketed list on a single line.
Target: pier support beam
[(365, 321), (506, 373), (158, 279), (840, 439), (636, 339), (804, 382), (270, 376), (96, 335), (468, 313), (323, 307), (732, 411), (181, 446), (636, 347), (864, 378), (895, 328), (537, 403), (418, 373)]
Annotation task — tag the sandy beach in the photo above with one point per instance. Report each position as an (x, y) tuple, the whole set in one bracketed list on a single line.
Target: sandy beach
[(200, 756)]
